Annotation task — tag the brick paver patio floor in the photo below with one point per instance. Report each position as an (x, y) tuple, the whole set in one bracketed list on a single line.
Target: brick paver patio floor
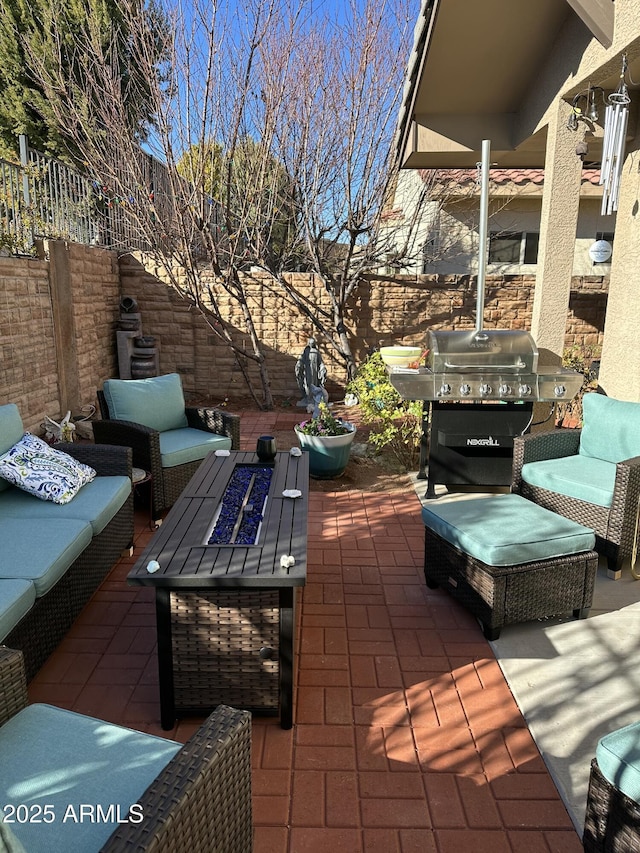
[(406, 738)]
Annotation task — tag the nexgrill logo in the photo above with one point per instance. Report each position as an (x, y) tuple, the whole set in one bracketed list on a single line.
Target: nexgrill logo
[(483, 442)]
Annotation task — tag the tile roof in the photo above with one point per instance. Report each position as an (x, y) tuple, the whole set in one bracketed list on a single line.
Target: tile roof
[(502, 177)]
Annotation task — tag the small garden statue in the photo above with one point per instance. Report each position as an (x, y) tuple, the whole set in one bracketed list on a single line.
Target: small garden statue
[(311, 373)]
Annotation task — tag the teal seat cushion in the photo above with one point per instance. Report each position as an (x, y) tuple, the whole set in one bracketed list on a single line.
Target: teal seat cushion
[(157, 402), (11, 431), (62, 759), (178, 446), (506, 530), (611, 428), (17, 597), (97, 503), (583, 477), (41, 551), (618, 757)]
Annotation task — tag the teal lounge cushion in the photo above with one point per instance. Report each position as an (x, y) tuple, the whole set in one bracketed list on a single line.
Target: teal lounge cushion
[(11, 431), (611, 428), (583, 477), (97, 503), (41, 551), (178, 446), (66, 760), (17, 597), (506, 530), (44, 472), (157, 402), (618, 757)]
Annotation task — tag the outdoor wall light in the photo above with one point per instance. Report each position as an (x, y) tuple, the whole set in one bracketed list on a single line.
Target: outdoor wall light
[(584, 107)]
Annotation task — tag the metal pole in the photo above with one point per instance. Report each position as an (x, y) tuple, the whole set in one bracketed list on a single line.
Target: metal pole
[(483, 229)]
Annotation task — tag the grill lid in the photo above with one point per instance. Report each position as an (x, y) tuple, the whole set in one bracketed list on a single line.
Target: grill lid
[(486, 350)]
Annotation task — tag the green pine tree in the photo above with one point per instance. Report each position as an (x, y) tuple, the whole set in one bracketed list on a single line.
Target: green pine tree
[(51, 34)]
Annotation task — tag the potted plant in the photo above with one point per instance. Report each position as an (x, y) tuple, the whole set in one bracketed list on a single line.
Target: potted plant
[(327, 439)]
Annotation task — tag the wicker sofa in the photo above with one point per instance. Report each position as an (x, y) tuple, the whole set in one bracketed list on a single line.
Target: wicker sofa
[(54, 556), (168, 439), (154, 794), (590, 475)]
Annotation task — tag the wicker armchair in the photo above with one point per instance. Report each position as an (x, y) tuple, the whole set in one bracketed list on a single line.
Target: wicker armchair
[(200, 802), (167, 482), (615, 526)]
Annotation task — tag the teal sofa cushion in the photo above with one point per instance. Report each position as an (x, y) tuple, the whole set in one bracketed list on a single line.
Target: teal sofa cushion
[(583, 477), (96, 503), (506, 530), (178, 446), (618, 757), (17, 597), (611, 428), (157, 402), (41, 551), (11, 431), (56, 757)]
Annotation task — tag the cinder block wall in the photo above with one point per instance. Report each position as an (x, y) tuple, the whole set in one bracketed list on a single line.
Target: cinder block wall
[(58, 320)]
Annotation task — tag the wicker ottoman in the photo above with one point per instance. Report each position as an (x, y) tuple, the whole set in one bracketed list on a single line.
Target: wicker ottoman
[(612, 822), (509, 560)]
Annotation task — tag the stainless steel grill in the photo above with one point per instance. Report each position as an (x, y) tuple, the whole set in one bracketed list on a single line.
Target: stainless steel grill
[(489, 364), (479, 389)]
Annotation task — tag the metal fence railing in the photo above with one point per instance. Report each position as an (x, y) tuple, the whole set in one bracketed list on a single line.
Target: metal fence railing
[(43, 198)]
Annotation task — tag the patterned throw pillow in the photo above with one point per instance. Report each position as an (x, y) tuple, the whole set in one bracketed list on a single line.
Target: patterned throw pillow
[(40, 470)]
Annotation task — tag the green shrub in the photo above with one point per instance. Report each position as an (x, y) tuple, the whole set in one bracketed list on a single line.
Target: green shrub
[(396, 424)]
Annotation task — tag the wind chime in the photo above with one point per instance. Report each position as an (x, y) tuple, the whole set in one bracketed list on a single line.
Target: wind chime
[(613, 143)]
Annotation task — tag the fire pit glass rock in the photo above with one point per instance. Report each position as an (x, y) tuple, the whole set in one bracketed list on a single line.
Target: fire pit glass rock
[(241, 510)]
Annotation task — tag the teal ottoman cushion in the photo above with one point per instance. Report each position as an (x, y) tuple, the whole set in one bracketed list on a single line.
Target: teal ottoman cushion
[(41, 551), (17, 597), (506, 530), (178, 446), (618, 757), (64, 760), (157, 402)]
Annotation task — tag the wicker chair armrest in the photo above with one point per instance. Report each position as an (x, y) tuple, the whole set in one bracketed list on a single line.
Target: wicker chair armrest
[(144, 441), (217, 421), (202, 799), (536, 447), (13, 683), (625, 505), (109, 460)]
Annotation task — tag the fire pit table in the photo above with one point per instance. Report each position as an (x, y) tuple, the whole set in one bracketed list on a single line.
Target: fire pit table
[(225, 564)]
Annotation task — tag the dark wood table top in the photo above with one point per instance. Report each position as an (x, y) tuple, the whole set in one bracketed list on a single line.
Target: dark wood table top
[(179, 544)]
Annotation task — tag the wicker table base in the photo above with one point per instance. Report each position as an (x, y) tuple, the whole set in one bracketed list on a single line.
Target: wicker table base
[(503, 595)]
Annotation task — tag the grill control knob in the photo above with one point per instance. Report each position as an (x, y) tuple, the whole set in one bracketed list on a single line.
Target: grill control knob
[(524, 390), (445, 390), (465, 389), (504, 390), (485, 389), (559, 390)]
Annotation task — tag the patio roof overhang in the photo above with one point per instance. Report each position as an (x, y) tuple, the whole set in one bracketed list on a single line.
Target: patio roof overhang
[(491, 70)]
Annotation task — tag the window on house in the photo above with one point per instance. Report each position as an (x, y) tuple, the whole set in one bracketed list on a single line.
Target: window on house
[(429, 254), (513, 247)]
